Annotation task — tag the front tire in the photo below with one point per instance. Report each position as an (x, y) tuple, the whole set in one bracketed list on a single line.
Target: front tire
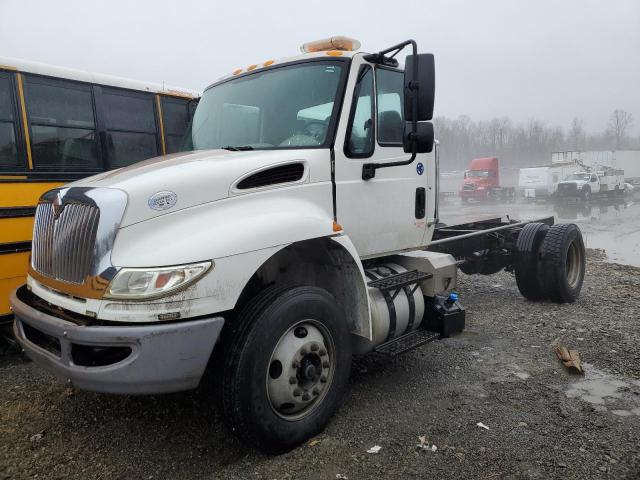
[(564, 262), (286, 368)]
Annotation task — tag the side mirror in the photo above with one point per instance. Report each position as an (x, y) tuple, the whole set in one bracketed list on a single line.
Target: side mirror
[(423, 138), (425, 89)]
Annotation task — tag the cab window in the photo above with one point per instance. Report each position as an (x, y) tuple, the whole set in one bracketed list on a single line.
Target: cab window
[(8, 144), (293, 106), (360, 132), (61, 120), (130, 121), (390, 98)]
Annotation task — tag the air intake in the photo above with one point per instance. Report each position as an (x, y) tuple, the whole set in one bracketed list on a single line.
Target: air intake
[(291, 172)]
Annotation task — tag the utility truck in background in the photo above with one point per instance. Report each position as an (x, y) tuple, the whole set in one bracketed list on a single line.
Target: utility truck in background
[(591, 181), (301, 230), (482, 182), (626, 160)]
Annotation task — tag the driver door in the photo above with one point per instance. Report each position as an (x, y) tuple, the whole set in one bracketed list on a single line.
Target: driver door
[(386, 213)]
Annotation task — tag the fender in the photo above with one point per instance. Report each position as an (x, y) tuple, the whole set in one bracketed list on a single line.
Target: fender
[(361, 309)]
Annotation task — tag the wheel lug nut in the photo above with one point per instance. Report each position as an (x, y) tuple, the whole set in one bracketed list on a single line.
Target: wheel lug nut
[(295, 364), (325, 364), (314, 347), (293, 380), (297, 392), (306, 397), (316, 391), (323, 379), (322, 352)]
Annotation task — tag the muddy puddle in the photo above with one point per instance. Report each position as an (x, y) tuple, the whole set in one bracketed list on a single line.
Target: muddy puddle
[(607, 393)]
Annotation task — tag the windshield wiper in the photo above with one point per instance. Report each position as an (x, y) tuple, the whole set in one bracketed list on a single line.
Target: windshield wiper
[(238, 148)]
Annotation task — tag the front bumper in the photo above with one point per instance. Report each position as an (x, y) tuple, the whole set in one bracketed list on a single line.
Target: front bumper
[(475, 194), (157, 358)]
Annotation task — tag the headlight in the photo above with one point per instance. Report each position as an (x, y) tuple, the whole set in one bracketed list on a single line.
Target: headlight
[(149, 283)]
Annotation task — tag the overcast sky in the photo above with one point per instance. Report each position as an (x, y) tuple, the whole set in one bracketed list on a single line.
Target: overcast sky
[(550, 59)]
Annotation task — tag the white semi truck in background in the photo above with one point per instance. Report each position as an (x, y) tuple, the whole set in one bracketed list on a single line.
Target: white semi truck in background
[(283, 244)]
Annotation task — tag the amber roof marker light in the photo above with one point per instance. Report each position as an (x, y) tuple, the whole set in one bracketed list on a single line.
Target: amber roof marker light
[(332, 43)]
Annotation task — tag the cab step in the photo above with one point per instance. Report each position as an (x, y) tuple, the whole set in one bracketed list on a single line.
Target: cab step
[(407, 342)]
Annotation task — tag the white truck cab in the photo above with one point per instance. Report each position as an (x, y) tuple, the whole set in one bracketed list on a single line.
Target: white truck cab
[(300, 228), (586, 183)]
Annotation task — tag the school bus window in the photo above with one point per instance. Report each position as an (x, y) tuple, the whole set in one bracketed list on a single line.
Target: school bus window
[(62, 124), (8, 145), (129, 111), (131, 126), (175, 117), (67, 148), (126, 148)]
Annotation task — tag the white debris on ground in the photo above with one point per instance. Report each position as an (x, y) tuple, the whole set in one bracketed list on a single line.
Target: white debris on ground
[(424, 445)]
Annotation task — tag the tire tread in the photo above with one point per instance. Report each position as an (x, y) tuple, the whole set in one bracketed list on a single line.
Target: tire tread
[(528, 264), (553, 248)]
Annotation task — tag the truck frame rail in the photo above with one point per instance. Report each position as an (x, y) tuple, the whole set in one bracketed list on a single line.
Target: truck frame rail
[(485, 246)]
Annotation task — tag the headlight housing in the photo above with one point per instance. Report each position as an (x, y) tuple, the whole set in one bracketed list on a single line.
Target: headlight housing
[(150, 283)]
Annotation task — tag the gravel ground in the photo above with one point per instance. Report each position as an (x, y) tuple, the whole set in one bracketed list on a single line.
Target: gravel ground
[(542, 421)]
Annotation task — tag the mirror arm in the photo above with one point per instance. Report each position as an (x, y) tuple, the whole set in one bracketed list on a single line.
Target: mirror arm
[(369, 169)]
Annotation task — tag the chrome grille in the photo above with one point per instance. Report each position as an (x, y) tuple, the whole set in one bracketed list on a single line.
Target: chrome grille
[(567, 187), (63, 247), (468, 186)]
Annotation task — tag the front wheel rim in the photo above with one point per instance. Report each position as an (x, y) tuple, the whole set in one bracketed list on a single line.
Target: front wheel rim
[(301, 370)]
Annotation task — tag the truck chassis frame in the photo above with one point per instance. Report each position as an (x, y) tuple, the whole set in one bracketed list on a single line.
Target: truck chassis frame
[(485, 246)]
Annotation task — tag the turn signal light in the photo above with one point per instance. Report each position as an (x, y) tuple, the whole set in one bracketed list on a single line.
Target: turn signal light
[(331, 43)]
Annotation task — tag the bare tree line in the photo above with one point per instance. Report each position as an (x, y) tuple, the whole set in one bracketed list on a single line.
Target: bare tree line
[(528, 143)]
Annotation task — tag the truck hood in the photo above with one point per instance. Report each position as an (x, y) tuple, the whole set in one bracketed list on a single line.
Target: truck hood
[(169, 183)]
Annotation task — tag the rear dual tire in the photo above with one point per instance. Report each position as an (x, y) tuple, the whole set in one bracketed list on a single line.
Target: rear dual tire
[(528, 261), (550, 262), (564, 263)]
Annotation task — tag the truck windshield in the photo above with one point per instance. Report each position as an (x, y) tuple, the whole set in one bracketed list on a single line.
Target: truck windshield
[(285, 107), (477, 173), (579, 176)]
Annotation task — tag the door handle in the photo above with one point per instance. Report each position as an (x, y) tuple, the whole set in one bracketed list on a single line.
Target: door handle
[(420, 202)]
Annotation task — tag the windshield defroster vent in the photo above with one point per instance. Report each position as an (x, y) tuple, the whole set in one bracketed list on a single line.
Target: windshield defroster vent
[(291, 172)]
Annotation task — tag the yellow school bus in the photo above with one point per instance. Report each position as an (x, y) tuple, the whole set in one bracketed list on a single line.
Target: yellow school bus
[(58, 125)]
